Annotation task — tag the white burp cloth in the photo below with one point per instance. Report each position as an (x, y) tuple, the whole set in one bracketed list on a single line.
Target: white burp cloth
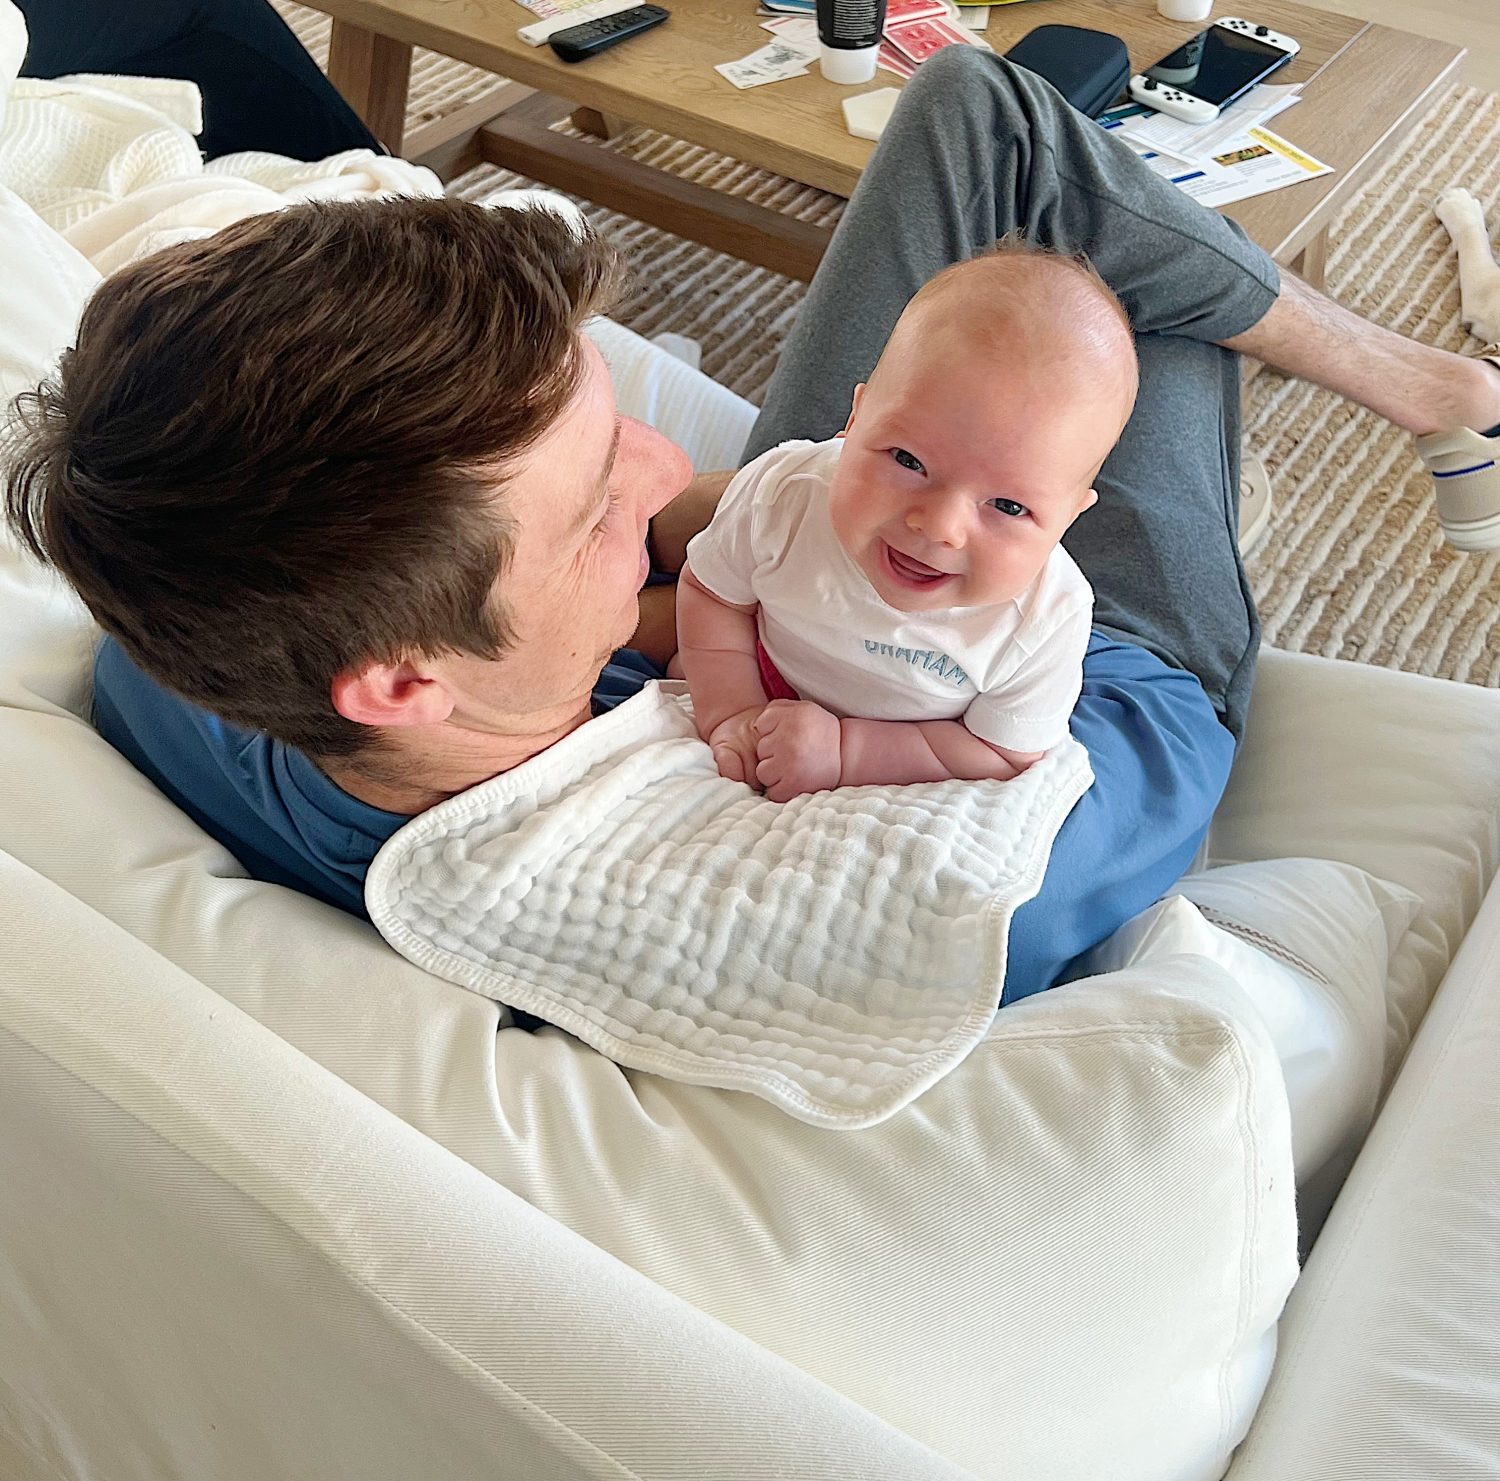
[(836, 954)]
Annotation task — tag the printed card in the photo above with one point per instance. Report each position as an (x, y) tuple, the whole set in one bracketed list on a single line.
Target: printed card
[(899, 12), (918, 40), (771, 63), (795, 31), (893, 61)]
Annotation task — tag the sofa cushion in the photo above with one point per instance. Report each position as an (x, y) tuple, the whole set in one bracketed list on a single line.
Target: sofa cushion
[(1390, 1361), (1309, 942), (220, 1263), (1392, 773)]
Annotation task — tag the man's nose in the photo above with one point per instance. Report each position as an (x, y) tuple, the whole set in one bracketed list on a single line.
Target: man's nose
[(941, 518), (660, 469)]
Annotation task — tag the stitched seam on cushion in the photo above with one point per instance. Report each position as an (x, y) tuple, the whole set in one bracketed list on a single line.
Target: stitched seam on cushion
[(1268, 944), (1252, 1182)]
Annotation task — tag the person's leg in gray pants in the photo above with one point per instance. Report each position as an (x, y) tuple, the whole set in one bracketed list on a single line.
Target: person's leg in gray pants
[(980, 148)]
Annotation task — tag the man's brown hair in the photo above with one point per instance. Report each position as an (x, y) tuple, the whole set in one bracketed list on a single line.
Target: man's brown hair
[(274, 454)]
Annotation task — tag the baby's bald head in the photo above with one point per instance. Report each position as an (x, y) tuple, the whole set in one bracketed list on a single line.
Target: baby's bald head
[(1044, 328)]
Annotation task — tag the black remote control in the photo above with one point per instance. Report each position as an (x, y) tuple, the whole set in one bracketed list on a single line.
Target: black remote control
[(578, 42)]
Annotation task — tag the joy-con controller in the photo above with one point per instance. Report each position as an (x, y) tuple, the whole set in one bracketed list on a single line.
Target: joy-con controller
[(1261, 33), (1171, 101)]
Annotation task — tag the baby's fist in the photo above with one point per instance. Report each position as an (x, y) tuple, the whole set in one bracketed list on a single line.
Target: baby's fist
[(733, 743), (797, 749)]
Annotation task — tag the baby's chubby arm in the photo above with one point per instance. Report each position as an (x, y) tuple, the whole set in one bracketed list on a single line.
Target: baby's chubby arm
[(716, 647), (804, 748), (900, 751)]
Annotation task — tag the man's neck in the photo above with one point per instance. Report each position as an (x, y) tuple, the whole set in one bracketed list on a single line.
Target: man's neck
[(420, 767)]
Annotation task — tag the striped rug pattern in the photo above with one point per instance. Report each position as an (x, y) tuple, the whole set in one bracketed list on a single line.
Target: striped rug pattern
[(1354, 565)]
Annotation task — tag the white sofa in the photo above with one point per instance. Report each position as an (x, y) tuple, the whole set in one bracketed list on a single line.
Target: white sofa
[(274, 1203)]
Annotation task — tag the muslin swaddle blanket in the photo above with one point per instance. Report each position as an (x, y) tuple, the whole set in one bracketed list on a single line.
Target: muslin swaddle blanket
[(836, 954)]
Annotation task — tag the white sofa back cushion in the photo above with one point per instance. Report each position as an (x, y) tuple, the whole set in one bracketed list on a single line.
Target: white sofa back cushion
[(1309, 942), (1390, 1365)]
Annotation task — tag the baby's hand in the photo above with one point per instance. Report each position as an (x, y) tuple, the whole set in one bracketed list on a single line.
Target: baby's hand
[(798, 750), (733, 743)]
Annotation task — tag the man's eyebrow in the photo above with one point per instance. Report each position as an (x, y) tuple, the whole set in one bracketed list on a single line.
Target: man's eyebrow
[(590, 509)]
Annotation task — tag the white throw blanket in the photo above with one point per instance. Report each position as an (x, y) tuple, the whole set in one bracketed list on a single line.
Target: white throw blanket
[(836, 954), (111, 164)]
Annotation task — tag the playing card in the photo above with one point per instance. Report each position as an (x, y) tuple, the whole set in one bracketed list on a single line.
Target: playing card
[(898, 12), (799, 32), (918, 40), (771, 63), (893, 61)]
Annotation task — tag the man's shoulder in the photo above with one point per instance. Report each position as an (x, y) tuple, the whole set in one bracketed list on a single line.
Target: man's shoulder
[(266, 803)]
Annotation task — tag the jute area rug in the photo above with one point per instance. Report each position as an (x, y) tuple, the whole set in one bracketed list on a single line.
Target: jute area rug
[(1354, 566)]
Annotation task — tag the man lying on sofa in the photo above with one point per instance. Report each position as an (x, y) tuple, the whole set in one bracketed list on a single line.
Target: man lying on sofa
[(348, 490)]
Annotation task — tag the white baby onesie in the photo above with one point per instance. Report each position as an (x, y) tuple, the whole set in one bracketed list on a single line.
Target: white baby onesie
[(1011, 671)]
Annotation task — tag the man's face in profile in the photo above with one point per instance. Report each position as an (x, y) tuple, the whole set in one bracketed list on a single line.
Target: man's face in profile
[(577, 503)]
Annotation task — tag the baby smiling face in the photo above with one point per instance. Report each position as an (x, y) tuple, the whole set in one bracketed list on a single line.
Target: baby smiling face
[(976, 442)]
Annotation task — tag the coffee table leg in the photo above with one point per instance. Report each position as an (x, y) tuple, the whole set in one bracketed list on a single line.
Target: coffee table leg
[(600, 125), (1312, 262), (373, 73)]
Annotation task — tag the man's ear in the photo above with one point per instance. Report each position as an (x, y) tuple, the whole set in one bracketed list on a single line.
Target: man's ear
[(390, 694), (1090, 498), (859, 392)]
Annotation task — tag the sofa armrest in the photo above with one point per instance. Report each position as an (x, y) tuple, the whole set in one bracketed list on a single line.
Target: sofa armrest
[(1390, 1346), (217, 1259)]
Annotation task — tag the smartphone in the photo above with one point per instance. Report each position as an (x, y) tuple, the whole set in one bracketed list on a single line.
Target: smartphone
[(1223, 61)]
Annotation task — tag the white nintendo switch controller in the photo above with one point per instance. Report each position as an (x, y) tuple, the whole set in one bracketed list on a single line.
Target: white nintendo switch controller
[(1168, 100), (1176, 103), (1261, 33)]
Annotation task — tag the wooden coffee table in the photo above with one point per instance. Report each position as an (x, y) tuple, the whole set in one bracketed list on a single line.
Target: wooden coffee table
[(1363, 87)]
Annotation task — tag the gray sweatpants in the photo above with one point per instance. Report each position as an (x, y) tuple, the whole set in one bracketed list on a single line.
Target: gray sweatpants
[(976, 149)]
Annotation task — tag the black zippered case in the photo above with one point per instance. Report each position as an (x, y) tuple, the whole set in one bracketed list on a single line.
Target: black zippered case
[(1089, 68)]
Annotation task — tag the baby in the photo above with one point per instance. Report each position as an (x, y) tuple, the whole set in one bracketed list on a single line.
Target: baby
[(893, 605)]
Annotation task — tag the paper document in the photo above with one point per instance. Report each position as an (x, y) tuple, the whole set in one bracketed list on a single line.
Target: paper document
[(1257, 162), (546, 9), (1203, 140), (773, 63)]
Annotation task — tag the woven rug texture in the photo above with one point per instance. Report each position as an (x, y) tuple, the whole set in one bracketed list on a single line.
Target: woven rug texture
[(1354, 565)]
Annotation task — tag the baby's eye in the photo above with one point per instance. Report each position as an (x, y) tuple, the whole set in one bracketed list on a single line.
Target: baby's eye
[(1008, 506), (906, 460)]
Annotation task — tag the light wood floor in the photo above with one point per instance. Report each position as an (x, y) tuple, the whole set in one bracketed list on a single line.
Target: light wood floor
[(1471, 23)]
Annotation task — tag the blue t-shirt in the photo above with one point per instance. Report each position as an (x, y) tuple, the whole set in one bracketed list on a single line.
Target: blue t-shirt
[(271, 807), (1160, 758)]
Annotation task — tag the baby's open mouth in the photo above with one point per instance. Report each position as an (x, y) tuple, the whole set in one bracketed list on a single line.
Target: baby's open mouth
[(909, 571)]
